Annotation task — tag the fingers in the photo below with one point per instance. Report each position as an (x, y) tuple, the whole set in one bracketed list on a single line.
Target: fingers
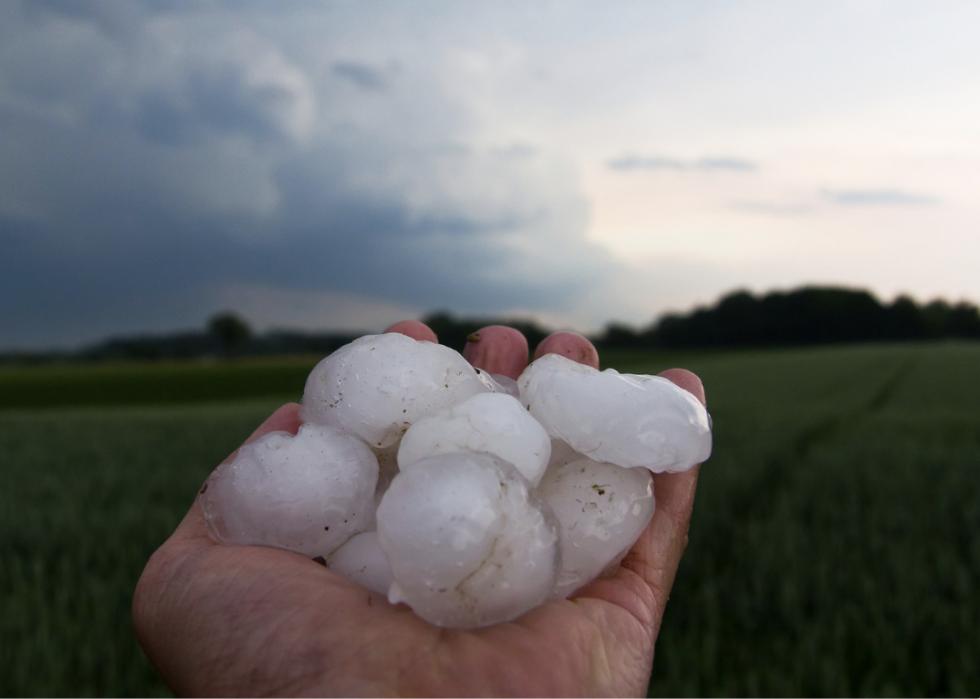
[(414, 329), (497, 349), (284, 419), (571, 345), (687, 380)]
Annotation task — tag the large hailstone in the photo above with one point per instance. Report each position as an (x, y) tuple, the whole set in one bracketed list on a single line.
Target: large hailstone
[(602, 509), (624, 419), (379, 385), (490, 422), (362, 560), (308, 493), (469, 542)]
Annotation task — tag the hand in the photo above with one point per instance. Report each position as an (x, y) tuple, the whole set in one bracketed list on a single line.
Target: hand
[(247, 620)]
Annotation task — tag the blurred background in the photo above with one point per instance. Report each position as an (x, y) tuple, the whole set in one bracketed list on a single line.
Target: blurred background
[(199, 199)]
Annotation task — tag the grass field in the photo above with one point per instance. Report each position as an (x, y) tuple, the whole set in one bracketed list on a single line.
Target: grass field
[(835, 548)]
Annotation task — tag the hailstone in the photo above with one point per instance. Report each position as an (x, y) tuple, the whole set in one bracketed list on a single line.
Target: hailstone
[(602, 509), (362, 560), (490, 422), (625, 419), (469, 542), (378, 385), (307, 493)]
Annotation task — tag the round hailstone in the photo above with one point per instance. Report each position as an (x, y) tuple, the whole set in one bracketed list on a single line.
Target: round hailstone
[(378, 385), (362, 560), (602, 509), (469, 542), (492, 422), (625, 419), (308, 493)]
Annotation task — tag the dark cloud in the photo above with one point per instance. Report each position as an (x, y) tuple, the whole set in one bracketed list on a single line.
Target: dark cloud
[(361, 75), (152, 172), (119, 20), (633, 162), (363, 247), (213, 99), (876, 197)]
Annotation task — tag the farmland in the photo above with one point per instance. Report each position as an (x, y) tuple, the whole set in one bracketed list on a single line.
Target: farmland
[(835, 547)]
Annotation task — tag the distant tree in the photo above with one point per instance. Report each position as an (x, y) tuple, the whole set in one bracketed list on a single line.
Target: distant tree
[(738, 320), (620, 336), (821, 314), (903, 320), (964, 321), (807, 315), (450, 331), (229, 330), (935, 318)]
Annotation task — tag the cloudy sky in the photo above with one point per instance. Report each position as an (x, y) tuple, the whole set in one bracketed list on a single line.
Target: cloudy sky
[(341, 164)]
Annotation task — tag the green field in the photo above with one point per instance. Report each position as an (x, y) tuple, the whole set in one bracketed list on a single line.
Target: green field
[(835, 547)]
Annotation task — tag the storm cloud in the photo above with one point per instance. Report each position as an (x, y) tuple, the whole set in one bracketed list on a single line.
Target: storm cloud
[(155, 160)]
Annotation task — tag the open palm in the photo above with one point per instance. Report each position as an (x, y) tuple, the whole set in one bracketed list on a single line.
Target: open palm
[(247, 620)]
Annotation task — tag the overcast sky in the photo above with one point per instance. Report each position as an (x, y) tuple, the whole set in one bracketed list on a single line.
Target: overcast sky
[(343, 165)]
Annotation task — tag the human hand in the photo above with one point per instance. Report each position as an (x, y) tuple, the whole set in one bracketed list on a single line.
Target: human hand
[(248, 620)]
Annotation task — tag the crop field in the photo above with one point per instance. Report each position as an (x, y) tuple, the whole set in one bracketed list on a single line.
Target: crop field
[(835, 547)]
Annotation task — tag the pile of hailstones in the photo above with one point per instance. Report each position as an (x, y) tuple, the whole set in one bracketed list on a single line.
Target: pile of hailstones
[(468, 496)]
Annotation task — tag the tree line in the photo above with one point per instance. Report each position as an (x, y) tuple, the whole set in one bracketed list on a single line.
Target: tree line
[(806, 316)]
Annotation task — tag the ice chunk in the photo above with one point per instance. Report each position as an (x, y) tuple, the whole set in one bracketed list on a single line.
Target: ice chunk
[(602, 509), (308, 493), (490, 422), (625, 419), (499, 383), (469, 542), (378, 385), (362, 560)]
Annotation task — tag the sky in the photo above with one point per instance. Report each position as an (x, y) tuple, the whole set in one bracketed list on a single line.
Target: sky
[(341, 165)]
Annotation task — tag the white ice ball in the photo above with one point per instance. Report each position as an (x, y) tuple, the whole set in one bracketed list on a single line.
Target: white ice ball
[(602, 510), (378, 385), (362, 560), (492, 422), (625, 419), (308, 493), (469, 542)]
